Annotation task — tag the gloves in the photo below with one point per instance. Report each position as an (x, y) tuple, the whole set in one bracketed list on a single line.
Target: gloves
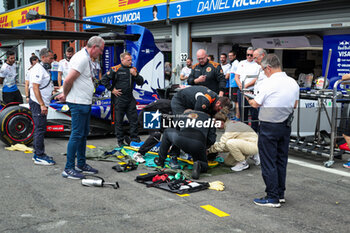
[(20, 147), (217, 185)]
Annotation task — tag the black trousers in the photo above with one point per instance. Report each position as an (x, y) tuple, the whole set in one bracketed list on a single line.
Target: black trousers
[(14, 96), (40, 123), (191, 142), (273, 147), (176, 106), (151, 141), (128, 108)]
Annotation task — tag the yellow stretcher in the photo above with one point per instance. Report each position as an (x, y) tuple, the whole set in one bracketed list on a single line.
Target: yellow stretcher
[(210, 163)]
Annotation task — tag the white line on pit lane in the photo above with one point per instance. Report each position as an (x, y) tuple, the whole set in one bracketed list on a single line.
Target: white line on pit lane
[(318, 167)]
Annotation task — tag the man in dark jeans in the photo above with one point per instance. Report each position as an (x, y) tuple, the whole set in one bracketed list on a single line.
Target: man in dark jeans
[(123, 77), (41, 89), (278, 96)]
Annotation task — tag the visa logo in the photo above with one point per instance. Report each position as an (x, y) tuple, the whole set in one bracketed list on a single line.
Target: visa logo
[(130, 2), (309, 105)]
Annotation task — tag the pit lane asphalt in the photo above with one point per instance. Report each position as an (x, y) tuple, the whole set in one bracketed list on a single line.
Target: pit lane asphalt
[(37, 199)]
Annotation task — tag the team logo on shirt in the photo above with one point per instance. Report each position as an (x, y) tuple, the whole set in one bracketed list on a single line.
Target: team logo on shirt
[(208, 69), (204, 106)]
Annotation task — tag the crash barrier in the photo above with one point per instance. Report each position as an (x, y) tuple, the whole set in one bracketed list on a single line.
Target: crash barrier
[(319, 121)]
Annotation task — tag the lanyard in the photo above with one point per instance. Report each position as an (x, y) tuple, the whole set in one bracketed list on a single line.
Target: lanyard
[(90, 65)]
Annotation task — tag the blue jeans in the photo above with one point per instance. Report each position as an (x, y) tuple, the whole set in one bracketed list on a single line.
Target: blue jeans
[(80, 130)]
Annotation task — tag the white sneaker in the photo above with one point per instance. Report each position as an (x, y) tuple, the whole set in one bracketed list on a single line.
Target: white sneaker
[(240, 166), (138, 158), (256, 159)]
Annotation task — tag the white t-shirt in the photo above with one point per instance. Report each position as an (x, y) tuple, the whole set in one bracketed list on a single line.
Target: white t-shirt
[(40, 76), (83, 87), (277, 96), (234, 66), (63, 66), (226, 68), (246, 68), (259, 81), (9, 74), (186, 71)]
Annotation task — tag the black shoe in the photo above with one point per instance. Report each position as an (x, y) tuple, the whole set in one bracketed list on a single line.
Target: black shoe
[(127, 140), (159, 162), (212, 156), (196, 170)]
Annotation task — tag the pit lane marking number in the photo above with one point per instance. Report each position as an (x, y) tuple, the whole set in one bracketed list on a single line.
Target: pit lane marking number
[(183, 57)]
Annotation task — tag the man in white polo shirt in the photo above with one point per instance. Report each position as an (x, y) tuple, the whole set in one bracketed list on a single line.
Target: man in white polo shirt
[(78, 89), (41, 88), (258, 55), (278, 96), (247, 72)]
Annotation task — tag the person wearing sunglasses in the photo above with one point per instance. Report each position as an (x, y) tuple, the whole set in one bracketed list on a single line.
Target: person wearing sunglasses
[(247, 72)]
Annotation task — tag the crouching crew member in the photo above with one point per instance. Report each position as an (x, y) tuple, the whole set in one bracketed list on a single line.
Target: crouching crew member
[(278, 96), (163, 107), (239, 140), (198, 98), (195, 135), (123, 77)]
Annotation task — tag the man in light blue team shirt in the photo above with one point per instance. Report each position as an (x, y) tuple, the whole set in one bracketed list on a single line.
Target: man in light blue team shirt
[(8, 77)]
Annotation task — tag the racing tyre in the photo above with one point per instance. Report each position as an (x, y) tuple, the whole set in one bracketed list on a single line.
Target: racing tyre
[(17, 125)]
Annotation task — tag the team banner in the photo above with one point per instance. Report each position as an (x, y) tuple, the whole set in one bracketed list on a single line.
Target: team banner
[(340, 58), (124, 11), (17, 18), (189, 8)]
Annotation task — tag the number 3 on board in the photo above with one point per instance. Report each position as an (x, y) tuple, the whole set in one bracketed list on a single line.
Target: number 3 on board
[(178, 10)]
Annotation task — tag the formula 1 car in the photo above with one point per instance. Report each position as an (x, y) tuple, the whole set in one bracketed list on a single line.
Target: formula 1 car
[(16, 123)]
